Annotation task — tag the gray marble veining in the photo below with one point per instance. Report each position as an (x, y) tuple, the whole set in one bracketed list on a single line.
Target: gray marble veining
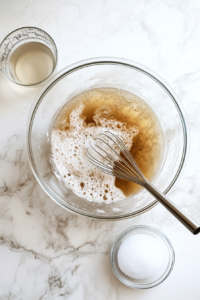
[(45, 251)]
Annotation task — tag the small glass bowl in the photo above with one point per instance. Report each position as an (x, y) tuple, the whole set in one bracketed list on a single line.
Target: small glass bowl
[(166, 268)]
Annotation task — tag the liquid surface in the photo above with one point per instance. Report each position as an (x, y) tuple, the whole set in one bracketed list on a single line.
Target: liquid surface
[(32, 63), (91, 113)]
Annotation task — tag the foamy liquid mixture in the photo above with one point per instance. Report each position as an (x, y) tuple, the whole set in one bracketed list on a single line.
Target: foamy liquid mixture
[(86, 116)]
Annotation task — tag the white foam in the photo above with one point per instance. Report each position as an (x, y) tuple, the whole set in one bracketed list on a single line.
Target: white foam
[(116, 209), (101, 211), (70, 160)]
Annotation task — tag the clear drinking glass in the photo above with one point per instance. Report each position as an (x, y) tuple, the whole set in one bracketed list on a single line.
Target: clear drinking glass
[(18, 38), (114, 73)]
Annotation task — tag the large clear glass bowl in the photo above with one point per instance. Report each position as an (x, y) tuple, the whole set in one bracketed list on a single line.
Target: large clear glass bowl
[(115, 73)]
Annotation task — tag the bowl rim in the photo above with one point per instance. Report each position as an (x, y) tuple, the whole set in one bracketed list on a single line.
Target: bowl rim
[(167, 271), (99, 61)]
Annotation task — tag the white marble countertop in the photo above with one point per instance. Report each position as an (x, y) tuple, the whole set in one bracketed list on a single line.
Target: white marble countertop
[(45, 251)]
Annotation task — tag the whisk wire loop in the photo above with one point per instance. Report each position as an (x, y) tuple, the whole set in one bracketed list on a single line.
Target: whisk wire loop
[(116, 163), (129, 162), (124, 166)]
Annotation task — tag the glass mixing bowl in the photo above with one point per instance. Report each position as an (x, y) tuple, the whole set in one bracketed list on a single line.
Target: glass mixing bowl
[(115, 73)]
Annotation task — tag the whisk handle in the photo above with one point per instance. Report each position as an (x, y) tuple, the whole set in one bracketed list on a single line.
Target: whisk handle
[(171, 207)]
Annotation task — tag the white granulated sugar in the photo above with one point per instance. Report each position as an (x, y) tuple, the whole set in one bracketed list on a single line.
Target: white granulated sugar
[(71, 163), (140, 256)]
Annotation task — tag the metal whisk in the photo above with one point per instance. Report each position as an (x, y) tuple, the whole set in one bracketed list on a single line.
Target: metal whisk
[(112, 157)]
